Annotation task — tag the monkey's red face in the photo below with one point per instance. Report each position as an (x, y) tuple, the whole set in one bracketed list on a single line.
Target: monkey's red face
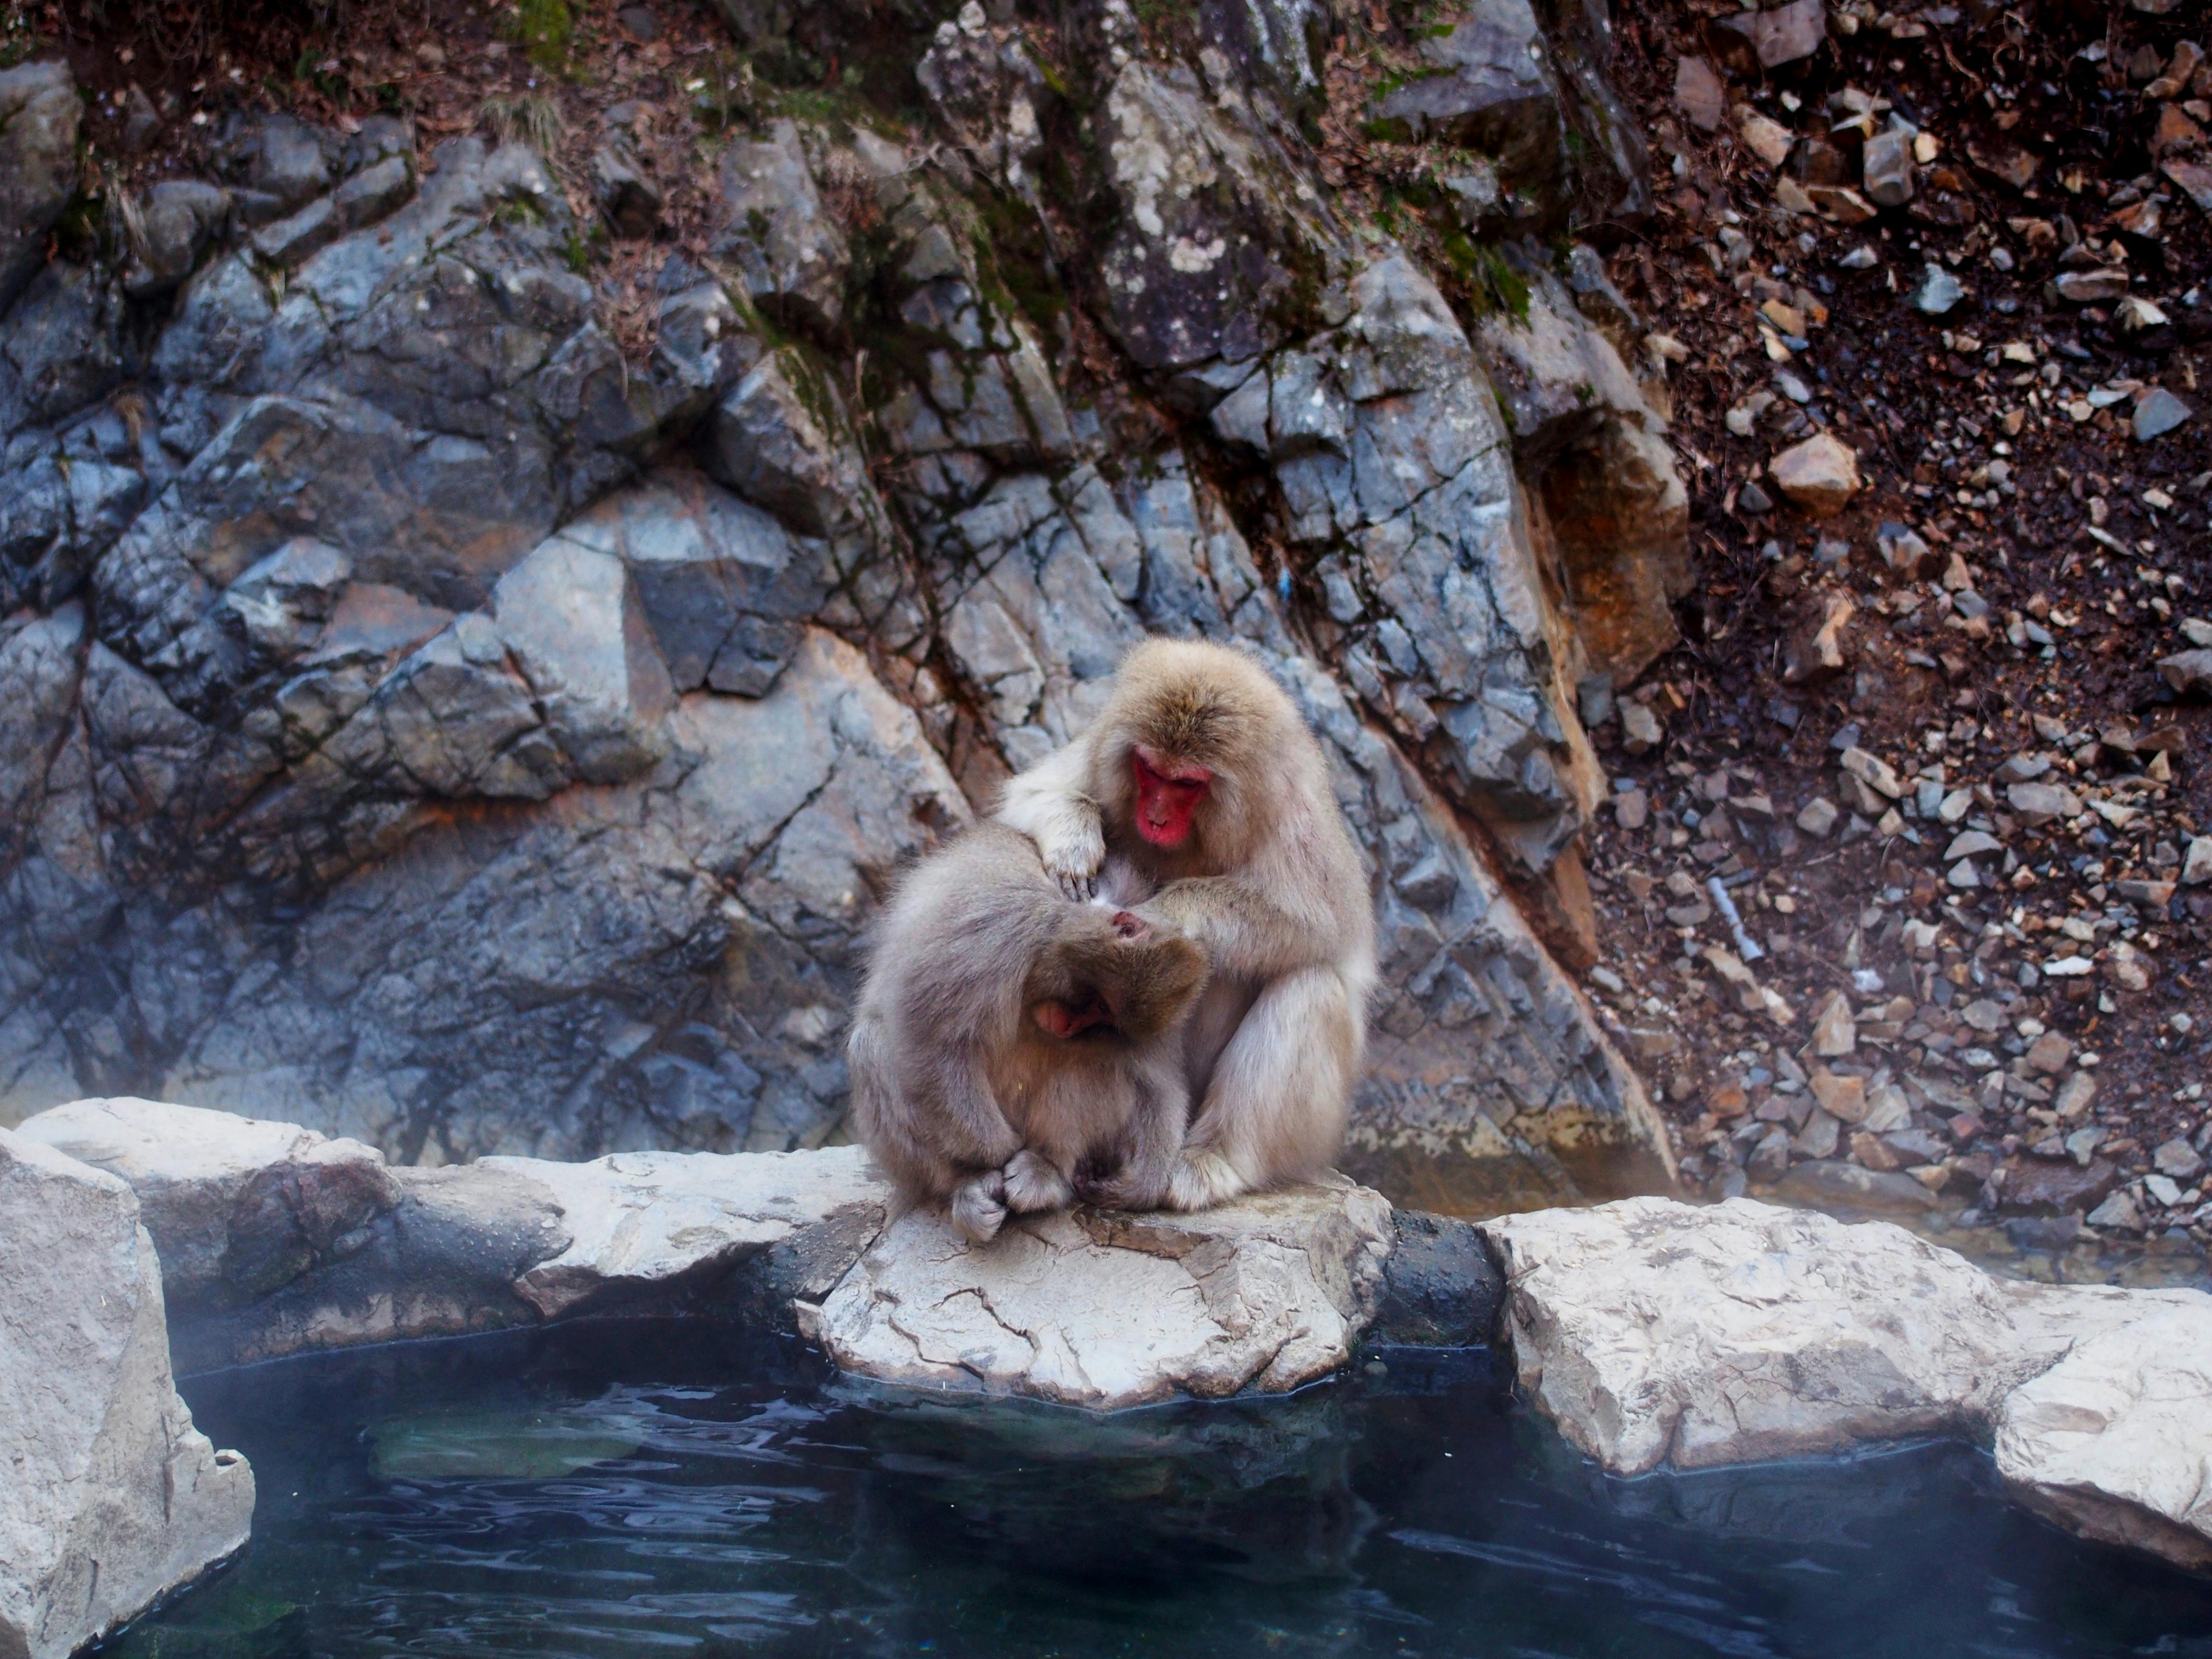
[(1168, 793)]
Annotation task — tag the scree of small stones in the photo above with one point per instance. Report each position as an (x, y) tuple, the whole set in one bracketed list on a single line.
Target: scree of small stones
[(1907, 872)]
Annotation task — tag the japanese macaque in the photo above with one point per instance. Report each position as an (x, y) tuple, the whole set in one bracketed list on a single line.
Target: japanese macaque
[(1201, 776), (1013, 1050)]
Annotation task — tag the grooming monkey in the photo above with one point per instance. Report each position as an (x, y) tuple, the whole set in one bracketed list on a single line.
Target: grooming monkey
[(1011, 1048), (1201, 776)]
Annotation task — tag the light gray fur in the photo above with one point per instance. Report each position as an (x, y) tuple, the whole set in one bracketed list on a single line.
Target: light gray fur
[(956, 1091)]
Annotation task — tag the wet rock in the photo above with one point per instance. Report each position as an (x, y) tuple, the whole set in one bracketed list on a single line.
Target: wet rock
[(1267, 1292), (1820, 475), (1737, 1309), (236, 1207), (112, 1499), (1655, 1333), (40, 113), (2035, 1186)]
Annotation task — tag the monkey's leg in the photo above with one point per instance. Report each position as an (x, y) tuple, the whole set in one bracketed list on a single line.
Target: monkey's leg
[(1275, 1108), (1155, 1137), (979, 1207), (1033, 1184), (1047, 803)]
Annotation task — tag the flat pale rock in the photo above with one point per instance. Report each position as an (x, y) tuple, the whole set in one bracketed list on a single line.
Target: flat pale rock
[(638, 1220), (231, 1202), (109, 1497), (1653, 1332), (2114, 1442), (1107, 1310)]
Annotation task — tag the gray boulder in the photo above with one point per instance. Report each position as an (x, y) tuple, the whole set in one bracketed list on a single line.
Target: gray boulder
[(1489, 86), (790, 253), (113, 1498), (236, 1207), (40, 113)]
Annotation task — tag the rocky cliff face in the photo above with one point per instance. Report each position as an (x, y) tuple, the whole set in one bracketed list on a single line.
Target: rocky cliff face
[(448, 715)]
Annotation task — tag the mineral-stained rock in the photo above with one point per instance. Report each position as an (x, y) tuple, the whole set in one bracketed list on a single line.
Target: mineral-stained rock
[(1267, 1291), (1820, 475), (111, 1499), (236, 1207)]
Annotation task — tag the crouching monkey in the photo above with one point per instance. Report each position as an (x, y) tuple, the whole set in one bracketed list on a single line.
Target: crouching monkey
[(1200, 775), (1013, 1049)]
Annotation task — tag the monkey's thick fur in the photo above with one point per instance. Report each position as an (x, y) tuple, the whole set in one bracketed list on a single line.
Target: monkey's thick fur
[(957, 1089), (1268, 881)]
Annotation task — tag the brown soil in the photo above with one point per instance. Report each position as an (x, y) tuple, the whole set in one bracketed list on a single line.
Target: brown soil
[(2097, 540)]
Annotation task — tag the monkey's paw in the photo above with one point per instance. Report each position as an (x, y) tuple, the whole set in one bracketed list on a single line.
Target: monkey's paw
[(1032, 1184), (979, 1208), (1202, 1180), (1071, 853)]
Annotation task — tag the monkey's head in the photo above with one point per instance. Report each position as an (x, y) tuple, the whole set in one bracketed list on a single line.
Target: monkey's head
[(1189, 738), (1113, 975)]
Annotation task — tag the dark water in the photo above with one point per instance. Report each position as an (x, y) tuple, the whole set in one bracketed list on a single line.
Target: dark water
[(612, 1490)]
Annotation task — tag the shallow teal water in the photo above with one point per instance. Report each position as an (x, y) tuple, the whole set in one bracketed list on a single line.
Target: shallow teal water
[(611, 1489)]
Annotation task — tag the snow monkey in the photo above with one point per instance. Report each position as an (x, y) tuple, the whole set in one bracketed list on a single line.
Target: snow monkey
[(1200, 775), (1013, 1049)]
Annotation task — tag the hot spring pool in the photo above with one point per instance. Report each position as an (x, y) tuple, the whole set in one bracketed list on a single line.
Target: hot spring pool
[(611, 1489)]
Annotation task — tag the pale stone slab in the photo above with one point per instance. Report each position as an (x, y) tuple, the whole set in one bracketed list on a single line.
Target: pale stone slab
[(1653, 1332), (2114, 1442), (1107, 1310), (638, 1220), (109, 1497)]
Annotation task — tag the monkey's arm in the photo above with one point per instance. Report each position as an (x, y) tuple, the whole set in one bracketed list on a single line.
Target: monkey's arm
[(1246, 933), (1048, 803)]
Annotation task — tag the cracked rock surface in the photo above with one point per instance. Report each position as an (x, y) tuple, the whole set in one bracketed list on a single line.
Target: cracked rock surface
[(473, 688), (111, 1498), (1107, 1310)]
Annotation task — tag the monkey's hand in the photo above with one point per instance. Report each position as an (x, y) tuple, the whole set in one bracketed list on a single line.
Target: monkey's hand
[(1073, 851), (1032, 1185), (979, 1207)]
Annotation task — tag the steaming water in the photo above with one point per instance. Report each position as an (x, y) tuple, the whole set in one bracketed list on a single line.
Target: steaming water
[(682, 1491)]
